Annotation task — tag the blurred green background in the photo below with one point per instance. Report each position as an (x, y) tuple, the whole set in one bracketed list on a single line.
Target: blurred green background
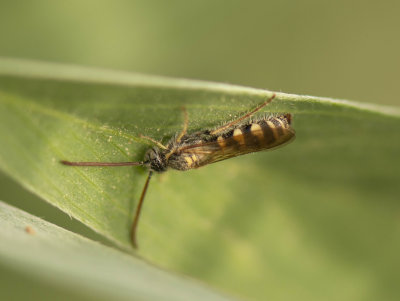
[(340, 49)]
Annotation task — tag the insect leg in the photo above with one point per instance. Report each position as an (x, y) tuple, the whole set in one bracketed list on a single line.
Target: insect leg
[(182, 133), (138, 210), (232, 123), (153, 141), (185, 125)]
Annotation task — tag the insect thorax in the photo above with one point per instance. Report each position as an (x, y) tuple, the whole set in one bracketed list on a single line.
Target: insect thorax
[(156, 159), (183, 161)]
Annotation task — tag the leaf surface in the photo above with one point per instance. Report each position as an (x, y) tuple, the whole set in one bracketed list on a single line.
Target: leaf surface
[(313, 216), (86, 269)]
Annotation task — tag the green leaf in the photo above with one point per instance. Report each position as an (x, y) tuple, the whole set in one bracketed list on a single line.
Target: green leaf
[(83, 268), (316, 218)]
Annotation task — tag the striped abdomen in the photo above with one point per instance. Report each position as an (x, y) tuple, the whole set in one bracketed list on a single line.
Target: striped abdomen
[(247, 138), (262, 134)]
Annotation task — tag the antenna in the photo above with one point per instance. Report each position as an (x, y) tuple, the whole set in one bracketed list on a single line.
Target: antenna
[(140, 203), (138, 210), (102, 163)]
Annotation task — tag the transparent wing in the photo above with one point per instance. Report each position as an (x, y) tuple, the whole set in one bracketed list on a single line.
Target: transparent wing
[(229, 147)]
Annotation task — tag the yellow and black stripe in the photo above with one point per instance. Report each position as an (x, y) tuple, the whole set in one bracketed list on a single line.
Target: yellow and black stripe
[(261, 134)]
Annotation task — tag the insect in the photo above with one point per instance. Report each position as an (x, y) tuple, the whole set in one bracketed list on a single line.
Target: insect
[(189, 151)]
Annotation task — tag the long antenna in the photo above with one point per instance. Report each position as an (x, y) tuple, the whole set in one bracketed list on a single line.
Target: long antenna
[(102, 163), (139, 206), (138, 210)]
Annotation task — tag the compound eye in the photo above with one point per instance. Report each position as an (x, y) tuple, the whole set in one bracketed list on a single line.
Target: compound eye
[(151, 154)]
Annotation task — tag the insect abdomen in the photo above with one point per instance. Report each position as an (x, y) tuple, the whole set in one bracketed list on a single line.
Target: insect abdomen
[(259, 135)]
